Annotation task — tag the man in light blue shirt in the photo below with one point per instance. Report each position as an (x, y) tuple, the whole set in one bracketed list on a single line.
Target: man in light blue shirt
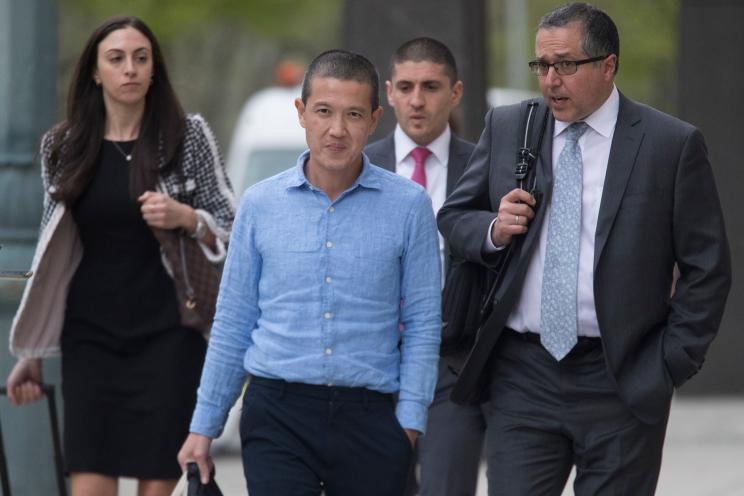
[(326, 260)]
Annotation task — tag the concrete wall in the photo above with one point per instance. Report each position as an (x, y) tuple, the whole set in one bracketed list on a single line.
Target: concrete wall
[(711, 78)]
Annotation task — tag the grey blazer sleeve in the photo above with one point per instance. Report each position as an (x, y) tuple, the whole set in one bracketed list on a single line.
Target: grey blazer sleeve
[(465, 217), (702, 255)]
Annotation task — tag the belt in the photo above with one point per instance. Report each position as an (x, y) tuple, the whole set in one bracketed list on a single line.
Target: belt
[(534, 337), (338, 393)]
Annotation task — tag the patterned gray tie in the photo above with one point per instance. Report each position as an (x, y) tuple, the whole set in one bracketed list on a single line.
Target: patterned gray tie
[(558, 318)]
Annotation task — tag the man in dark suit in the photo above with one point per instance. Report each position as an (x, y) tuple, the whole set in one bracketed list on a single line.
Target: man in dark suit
[(423, 91), (587, 345)]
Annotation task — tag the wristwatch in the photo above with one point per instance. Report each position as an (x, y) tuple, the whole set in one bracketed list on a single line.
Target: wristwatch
[(201, 228)]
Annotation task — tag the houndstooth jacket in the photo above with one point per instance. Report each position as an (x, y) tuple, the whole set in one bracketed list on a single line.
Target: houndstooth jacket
[(201, 183)]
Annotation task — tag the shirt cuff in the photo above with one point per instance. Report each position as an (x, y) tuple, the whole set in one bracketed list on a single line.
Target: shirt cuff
[(411, 415), (488, 246), (206, 422)]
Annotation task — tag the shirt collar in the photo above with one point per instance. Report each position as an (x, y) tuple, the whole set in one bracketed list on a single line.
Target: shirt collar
[(404, 145), (367, 179), (602, 120)]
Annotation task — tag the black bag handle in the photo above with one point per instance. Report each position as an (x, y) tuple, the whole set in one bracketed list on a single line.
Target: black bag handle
[(195, 487), (527, 155), (48, 391), (524, 172)]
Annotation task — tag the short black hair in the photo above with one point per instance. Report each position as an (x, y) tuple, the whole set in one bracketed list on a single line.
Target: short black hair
[(600, 32), (346, 66), (426, 49)]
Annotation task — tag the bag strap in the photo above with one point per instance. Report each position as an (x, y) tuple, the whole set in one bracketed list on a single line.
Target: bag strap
[(527, 155), (524, 174)]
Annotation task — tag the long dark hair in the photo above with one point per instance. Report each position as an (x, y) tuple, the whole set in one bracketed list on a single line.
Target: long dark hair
[(76, 142)]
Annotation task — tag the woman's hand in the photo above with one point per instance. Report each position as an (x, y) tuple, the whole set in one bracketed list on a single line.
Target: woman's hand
[(24, 381), (163, 212)]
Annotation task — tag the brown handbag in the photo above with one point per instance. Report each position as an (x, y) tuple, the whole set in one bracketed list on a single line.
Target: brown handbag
[(197, 280)]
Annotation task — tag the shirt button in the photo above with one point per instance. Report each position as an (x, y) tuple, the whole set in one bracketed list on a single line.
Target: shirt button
[(329, 244), (327, 315), (331, 209), (328, 279), (328, 351)]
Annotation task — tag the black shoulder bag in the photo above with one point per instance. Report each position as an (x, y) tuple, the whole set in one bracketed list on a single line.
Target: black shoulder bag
[(469, 287)]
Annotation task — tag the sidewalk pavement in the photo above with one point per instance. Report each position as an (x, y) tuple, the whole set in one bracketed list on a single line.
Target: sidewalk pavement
[(703, 455)]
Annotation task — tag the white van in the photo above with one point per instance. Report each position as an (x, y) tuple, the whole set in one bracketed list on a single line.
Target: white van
[(267, 139)]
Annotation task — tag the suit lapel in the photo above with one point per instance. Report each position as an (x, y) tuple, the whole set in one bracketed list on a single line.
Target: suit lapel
[(458, 159), (387, 157), (544, 163), (626, 142)]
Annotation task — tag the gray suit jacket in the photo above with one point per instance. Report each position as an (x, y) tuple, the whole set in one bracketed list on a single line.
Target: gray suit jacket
[(659, 207)]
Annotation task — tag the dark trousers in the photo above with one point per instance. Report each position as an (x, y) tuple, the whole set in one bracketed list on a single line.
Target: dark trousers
[(546, 416), (301, 439), (449, 454)]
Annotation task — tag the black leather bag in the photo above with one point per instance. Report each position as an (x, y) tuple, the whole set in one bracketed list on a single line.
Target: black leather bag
[(463, 309), (469, 287), (195, 487)]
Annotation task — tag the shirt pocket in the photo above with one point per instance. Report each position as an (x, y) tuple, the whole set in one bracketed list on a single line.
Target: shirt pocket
[(295, 236), (377, 267), (379, 249)]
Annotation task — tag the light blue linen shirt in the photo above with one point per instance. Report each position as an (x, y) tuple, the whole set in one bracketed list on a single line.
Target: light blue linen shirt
[(314, 291)]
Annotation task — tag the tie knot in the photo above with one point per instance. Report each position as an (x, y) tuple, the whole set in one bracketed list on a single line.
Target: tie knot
[(576, 130), (420, 154)]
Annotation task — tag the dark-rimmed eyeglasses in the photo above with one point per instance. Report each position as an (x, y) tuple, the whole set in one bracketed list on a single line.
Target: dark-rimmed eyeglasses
[(562, 67)]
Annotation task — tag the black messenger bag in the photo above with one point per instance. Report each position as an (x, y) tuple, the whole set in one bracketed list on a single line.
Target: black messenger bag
[(469, 287)]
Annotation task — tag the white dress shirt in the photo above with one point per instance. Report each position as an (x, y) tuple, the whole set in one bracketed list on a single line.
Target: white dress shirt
[(595, 152), (435, 166)]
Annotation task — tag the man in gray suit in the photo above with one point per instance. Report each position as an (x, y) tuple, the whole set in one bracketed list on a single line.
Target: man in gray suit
[(587, 345), (423, 90)]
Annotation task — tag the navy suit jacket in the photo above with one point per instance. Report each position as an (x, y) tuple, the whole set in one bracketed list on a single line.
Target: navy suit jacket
[(659, 207)]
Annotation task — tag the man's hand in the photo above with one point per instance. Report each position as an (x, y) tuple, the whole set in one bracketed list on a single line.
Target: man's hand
[(24, 382), (196, 449), (515, 214), (164, 212), (412, 436)]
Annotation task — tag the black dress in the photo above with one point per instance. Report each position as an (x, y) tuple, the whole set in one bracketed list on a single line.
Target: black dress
[(129, 369)]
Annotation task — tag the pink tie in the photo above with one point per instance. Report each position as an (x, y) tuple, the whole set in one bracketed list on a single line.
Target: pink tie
[(419, 155)]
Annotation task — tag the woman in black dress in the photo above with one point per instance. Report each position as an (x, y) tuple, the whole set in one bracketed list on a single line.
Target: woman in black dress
[(125, 161)]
